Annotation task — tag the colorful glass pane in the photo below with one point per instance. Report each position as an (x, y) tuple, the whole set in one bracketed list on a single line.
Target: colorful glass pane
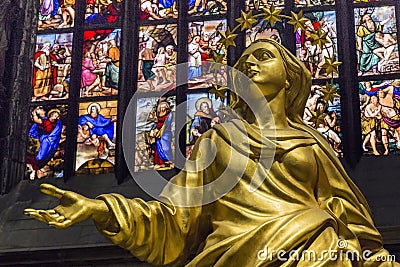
[(323, 113), (52, 66), (55, 14), (376, 40), (307, 48), (103, 11), (203, 112), (310, 3), (155, 133), (207, 7), (202, 47), (157, 58), (380, 117), (263, 30), (96, 137), (260, 4), (100, 63), (46, 141), (155, 10)]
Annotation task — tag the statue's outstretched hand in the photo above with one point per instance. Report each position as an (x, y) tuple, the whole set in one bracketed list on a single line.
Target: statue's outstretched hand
[(73, 208)]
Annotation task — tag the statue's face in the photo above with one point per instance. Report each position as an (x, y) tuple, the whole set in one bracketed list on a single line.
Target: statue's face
[(265, 67)]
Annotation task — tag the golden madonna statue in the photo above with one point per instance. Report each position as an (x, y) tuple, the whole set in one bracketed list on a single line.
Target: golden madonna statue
[(305, 203)]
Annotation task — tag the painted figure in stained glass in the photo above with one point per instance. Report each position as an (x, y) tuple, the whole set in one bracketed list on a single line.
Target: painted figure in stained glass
[(263, 30), (100, 64), (324, 116), (312, 55), (207, 7), (157, 58), (45, 136), (155, 128), (162, 134), (260, 4), (52, 65), (203, 45), (376, 44), (56, 14), (158, 9), (96, 133), (301, 3), (103, 11), (380, 118)]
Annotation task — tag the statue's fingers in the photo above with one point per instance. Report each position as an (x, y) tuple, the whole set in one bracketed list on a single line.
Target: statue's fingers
[(61, 225), (51, 190), (49, 217), (35, 215)]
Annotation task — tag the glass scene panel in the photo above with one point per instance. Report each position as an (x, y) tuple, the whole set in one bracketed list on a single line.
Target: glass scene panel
[(203, 113), (203, 46), (207, 7), (52, 67), (100, 63), (96, 137), (376, 40), (380, 117), (103, 11), (155, 133), (263, 30), (312, 55), (46, 141), (157, 58), (324, 114), (160, 9), (260, 4), (55, 14), (366, 1), (311, 3)]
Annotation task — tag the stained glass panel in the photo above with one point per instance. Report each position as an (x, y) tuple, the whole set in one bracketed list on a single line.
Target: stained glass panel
[(207, 7), (312, 55), (155, 130), (324, 114), (46, 141), (260, 4), (376, 40), (103, 11), (263, 30), (203, 113), (310, 3), (155, 10), (202, 46), (96, 137), (380, 117), (157, 58), (52, 66), (55, 14), (100, 63)]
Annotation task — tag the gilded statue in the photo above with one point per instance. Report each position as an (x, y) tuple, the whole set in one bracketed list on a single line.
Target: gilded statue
[(304, 202)]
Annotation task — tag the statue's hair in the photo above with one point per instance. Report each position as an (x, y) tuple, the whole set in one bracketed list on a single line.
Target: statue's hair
[(298, 76)]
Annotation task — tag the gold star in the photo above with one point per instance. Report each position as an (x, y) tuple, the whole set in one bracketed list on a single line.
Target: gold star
[(318, 118), (246, 20), (319, 37), (298, 21), (331, 66), (330, 92), (219, 91), (216, 62), (272, 15), (228, 38)]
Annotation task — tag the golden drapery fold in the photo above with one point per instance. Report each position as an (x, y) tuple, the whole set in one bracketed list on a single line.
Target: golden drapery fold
[(306, 203)]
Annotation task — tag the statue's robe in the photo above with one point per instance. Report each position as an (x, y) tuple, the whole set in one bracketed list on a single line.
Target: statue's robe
[(305, 202)]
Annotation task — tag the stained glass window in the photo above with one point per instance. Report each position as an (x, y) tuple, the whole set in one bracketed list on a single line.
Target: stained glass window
[(202, 46), (207, 7), (262, 30), (380, 120), (156, 10), (96, 137), (46, 141), (103, 11), (155, 133), (311, 3), (203, 113), (260, 4), (324, 114), (54, 14), (376, 40), (308, 51), (157, 57)]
